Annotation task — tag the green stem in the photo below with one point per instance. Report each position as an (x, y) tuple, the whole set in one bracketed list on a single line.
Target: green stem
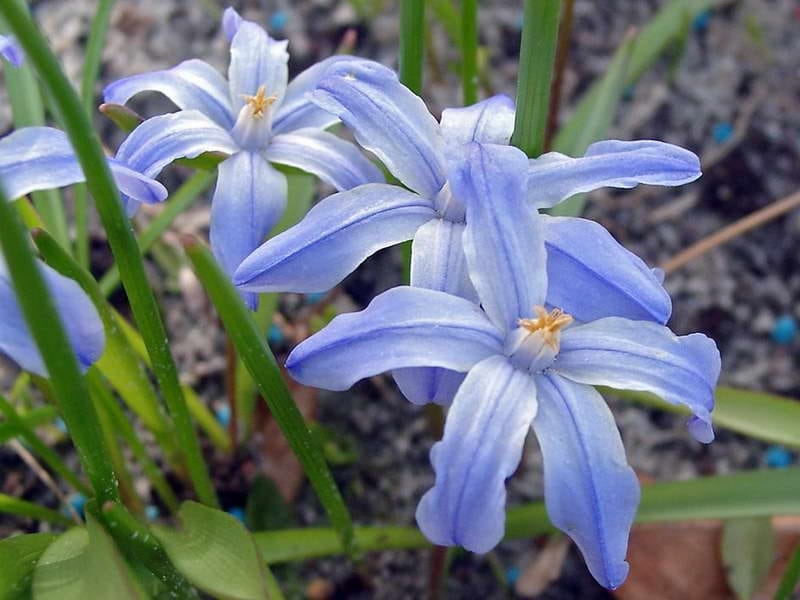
[(259, 360), (50, 458), (536, 57), (178, 202), (791, 575), (135, 539), (120, 236), (412, 45), (469, 51), (51, 339)]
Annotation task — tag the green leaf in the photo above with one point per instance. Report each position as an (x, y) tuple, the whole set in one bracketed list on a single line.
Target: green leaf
[(122, 116), (758, 415), (256, 355), (412, 43), (23, 508), (18, 557), (748, 549), (84, 563), (536, 59), (743, 495), (215, 553)]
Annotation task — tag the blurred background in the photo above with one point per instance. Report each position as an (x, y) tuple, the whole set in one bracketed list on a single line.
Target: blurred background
[(728, 89)]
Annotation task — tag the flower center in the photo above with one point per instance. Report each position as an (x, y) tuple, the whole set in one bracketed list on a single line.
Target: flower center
[(533, 345), (448, 206), (260, 102)]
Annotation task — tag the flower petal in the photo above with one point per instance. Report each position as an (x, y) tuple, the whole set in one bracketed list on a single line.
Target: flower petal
[(554, 177), (482, 445), (249, 200), (503, 240), (403, 327), (590, 492), (297, 110), (333, 239), (11, 51), (160, 140), (230, 22), (387, 119), (42, 158), (256, 60), (78, 315), (437, 263), (335, 161), (639, 355), (591, 276), (490, 121), (191, 85)]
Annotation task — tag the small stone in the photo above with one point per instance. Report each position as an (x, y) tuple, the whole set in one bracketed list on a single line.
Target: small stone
[(278, 20), (275, 334), (315, 297), (152, 512), (702, 20), (237, 512), (722, 132), (223, 413), (778, 457), (784, 330), (512, 575)]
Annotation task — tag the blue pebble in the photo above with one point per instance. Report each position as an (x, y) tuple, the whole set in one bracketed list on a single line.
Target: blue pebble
[(702, 20), (152, 512), (722, 132), (778, 457), (512, 574), (315, 297), (275, 335), (77, 501), (627, 93), (223, 413), (237, 512), (278, 20), (60, 425), (784, 330)]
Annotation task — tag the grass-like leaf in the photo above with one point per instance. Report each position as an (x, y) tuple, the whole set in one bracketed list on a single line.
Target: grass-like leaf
[(254, 352), (749, 494), (18, 557)]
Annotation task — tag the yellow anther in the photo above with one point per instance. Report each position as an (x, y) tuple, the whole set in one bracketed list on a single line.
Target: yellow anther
[(260, 102), (548, 323)]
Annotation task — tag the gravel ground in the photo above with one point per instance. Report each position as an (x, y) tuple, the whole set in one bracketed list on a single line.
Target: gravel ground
[(739, 70)]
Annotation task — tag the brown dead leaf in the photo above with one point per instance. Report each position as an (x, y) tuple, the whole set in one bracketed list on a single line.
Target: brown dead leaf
[(683, 560)]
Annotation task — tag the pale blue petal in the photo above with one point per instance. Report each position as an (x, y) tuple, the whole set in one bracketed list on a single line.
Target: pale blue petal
[(193, 84), (490, 121), (437, 263), (554, 177), (332, 159), (333, 239), (403, 327), (483, 438), (387, 119), (11, 51), (503, 240), (256, 60), (78, 314), (42, 158), (644, 356), (249, 200), (230, 22), (161, 140), (297, 110), (590, 492), (591, 276)]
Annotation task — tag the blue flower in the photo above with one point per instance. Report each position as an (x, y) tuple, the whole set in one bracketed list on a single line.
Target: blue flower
[(526, 366), (393, 123), (255, 119), (42, 158), (78, 314), (10, 50)]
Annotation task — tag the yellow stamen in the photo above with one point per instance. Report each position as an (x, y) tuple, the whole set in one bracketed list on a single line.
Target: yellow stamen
[(260, 102), (549, 324)]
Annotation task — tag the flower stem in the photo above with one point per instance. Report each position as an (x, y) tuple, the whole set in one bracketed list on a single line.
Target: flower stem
[(412, 43), (469, 51), (536, 57)]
